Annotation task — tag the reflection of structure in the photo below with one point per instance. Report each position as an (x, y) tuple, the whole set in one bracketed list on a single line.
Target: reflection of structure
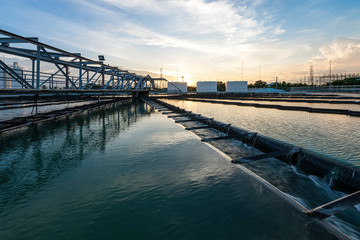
[(9, 82), (236, 86), (61, 147), (177, 86), (206, 86)]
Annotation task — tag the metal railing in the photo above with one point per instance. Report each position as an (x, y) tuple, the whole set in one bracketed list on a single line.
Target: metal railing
[(342, 88), (90, 74)]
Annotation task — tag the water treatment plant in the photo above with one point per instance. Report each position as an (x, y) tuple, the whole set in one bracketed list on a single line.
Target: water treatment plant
[(93, 151)]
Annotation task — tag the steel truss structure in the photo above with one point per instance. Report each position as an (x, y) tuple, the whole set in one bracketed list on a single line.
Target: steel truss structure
[(90, 74)]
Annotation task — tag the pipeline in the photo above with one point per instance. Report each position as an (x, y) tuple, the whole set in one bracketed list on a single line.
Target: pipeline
[(344, 178)]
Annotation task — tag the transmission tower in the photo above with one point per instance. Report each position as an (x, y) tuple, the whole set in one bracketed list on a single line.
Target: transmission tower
[(311, 77)]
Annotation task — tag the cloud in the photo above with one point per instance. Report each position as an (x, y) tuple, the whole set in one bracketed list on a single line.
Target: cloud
[(223, 20), (213, 37), (341, 48), (343, 52)]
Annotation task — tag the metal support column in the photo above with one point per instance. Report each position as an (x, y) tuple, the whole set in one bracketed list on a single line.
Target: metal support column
[(38, 67), (67, 77), (103, 78), (33, 73), (80, 74), (87, 76)]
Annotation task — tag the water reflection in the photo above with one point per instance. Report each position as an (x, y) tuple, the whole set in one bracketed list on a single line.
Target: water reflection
[(139, 185), (32, 156), (7, 114)]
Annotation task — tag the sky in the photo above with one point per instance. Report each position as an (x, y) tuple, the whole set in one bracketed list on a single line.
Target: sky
[(202, 40)]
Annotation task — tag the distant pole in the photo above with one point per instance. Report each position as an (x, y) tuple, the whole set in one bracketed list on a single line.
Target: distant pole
[(182, 77), (276, 82), (330, 72), (160, 72)]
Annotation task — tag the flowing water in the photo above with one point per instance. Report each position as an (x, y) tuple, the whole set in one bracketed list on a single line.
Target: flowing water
[(127, 172)]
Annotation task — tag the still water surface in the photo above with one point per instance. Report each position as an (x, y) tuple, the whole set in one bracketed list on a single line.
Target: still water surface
[(336, 136), (129, 173), (352, 107), (7, 114)]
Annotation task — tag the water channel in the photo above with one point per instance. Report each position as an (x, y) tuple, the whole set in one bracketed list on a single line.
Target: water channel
[(129, 172), (336, 136)]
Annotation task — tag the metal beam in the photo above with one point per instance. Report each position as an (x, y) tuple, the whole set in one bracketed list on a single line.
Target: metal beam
[(335, 206), (110, 80), (52, 75), (89, 80), (52, 54), (80, 74), (95, 81), (38, 68), (43, 57), (15, 40), (13, 74), (65, 74), (27, 40)]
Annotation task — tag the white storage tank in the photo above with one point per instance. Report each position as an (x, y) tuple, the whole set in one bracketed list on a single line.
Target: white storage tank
[(177, 86), (236, 86), (206, 86)]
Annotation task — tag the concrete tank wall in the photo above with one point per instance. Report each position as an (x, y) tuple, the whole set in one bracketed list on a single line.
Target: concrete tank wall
[(236, 86), (208, 86), (175, 86)]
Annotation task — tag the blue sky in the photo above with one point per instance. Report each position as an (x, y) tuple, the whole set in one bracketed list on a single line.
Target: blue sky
[(202, 40)]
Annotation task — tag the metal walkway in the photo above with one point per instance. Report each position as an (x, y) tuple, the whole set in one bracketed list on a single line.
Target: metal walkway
[(90, 74)]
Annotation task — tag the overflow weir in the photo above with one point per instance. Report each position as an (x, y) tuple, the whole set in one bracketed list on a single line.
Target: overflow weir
[(343, 177)]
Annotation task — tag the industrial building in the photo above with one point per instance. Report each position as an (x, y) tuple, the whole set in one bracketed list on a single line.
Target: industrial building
[(206, 86)]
